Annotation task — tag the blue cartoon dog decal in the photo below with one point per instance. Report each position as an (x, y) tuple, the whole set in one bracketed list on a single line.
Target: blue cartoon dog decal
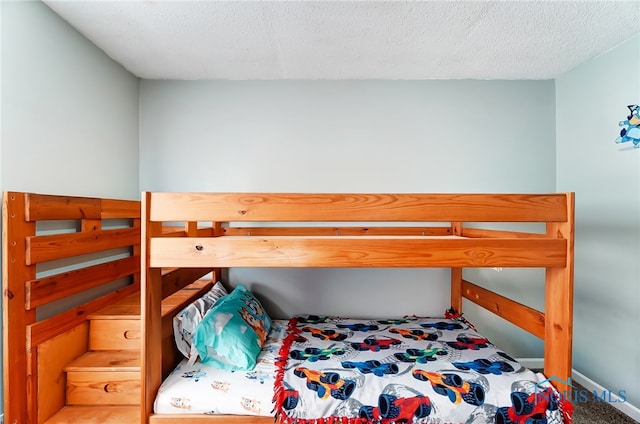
[(631, 130)]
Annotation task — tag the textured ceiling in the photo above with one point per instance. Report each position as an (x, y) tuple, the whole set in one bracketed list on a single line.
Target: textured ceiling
[(351, 39)]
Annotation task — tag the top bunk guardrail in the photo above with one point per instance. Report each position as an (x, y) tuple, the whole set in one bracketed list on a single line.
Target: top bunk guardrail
[(389, 242)]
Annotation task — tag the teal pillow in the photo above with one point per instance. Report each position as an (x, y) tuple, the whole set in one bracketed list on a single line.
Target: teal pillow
[(232, 333)]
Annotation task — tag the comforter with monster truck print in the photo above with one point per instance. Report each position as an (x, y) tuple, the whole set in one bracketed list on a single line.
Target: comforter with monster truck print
[(408, 370)]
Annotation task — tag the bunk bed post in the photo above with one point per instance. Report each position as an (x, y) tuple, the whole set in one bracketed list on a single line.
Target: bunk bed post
[(137, 251), (559, 305), (456, 289), (150, 311), (456, 275), (18, 362), (217, 231)]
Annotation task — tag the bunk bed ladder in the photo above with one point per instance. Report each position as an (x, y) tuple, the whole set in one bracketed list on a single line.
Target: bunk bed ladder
[(103, 385)]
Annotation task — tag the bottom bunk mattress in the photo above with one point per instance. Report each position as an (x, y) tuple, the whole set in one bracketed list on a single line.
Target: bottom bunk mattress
[(205, 389), (411, 370)]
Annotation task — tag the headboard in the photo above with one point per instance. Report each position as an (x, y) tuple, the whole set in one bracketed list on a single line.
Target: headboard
[(223, 230)]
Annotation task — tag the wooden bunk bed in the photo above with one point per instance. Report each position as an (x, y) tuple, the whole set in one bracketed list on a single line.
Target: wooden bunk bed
[(223, 230)]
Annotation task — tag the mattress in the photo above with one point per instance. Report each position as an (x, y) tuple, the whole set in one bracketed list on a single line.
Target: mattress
[(201, 389), (411, 370)]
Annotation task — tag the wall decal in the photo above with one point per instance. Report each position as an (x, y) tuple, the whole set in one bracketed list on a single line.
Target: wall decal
[(631, 130)]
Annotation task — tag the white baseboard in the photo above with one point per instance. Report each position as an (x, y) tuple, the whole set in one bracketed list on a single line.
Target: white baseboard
[(531, 362), (624, 407)]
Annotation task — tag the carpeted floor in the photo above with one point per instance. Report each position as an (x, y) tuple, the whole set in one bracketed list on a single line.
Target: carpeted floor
[(598, 412)]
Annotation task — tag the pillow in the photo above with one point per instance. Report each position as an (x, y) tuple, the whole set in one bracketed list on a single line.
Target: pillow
[(185, 323), (232, 333)]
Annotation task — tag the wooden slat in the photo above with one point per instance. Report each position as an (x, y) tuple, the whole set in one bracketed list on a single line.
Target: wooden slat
[(355, 252), (168, 231), (16, 358), (48, 289), (521, 315), (309, 231), (57, 246), (332, 231), (559, 306), (294, 207), (42, 207), (174, 303), (112, 208), (179, 278), (126, 308), (173, 231), (477, 232), (57, 324)]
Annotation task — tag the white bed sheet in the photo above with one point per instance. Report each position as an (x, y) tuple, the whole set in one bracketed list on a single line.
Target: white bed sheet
[(202, 389)]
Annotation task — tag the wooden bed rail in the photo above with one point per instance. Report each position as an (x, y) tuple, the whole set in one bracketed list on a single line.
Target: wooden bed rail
[(97, 242), (297, 207), (367, 230)]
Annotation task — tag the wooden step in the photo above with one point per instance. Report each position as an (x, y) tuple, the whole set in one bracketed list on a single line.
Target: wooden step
[(127, 308), (96, 415), (103, 388), (107, 360), (103, 385), (117, 334)]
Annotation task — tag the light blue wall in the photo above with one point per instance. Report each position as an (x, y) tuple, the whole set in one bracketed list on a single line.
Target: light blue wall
[(352, 136), (590, 101), (69, 113)]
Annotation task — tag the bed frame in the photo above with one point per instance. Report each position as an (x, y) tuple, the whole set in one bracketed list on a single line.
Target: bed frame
[(224, 230)]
